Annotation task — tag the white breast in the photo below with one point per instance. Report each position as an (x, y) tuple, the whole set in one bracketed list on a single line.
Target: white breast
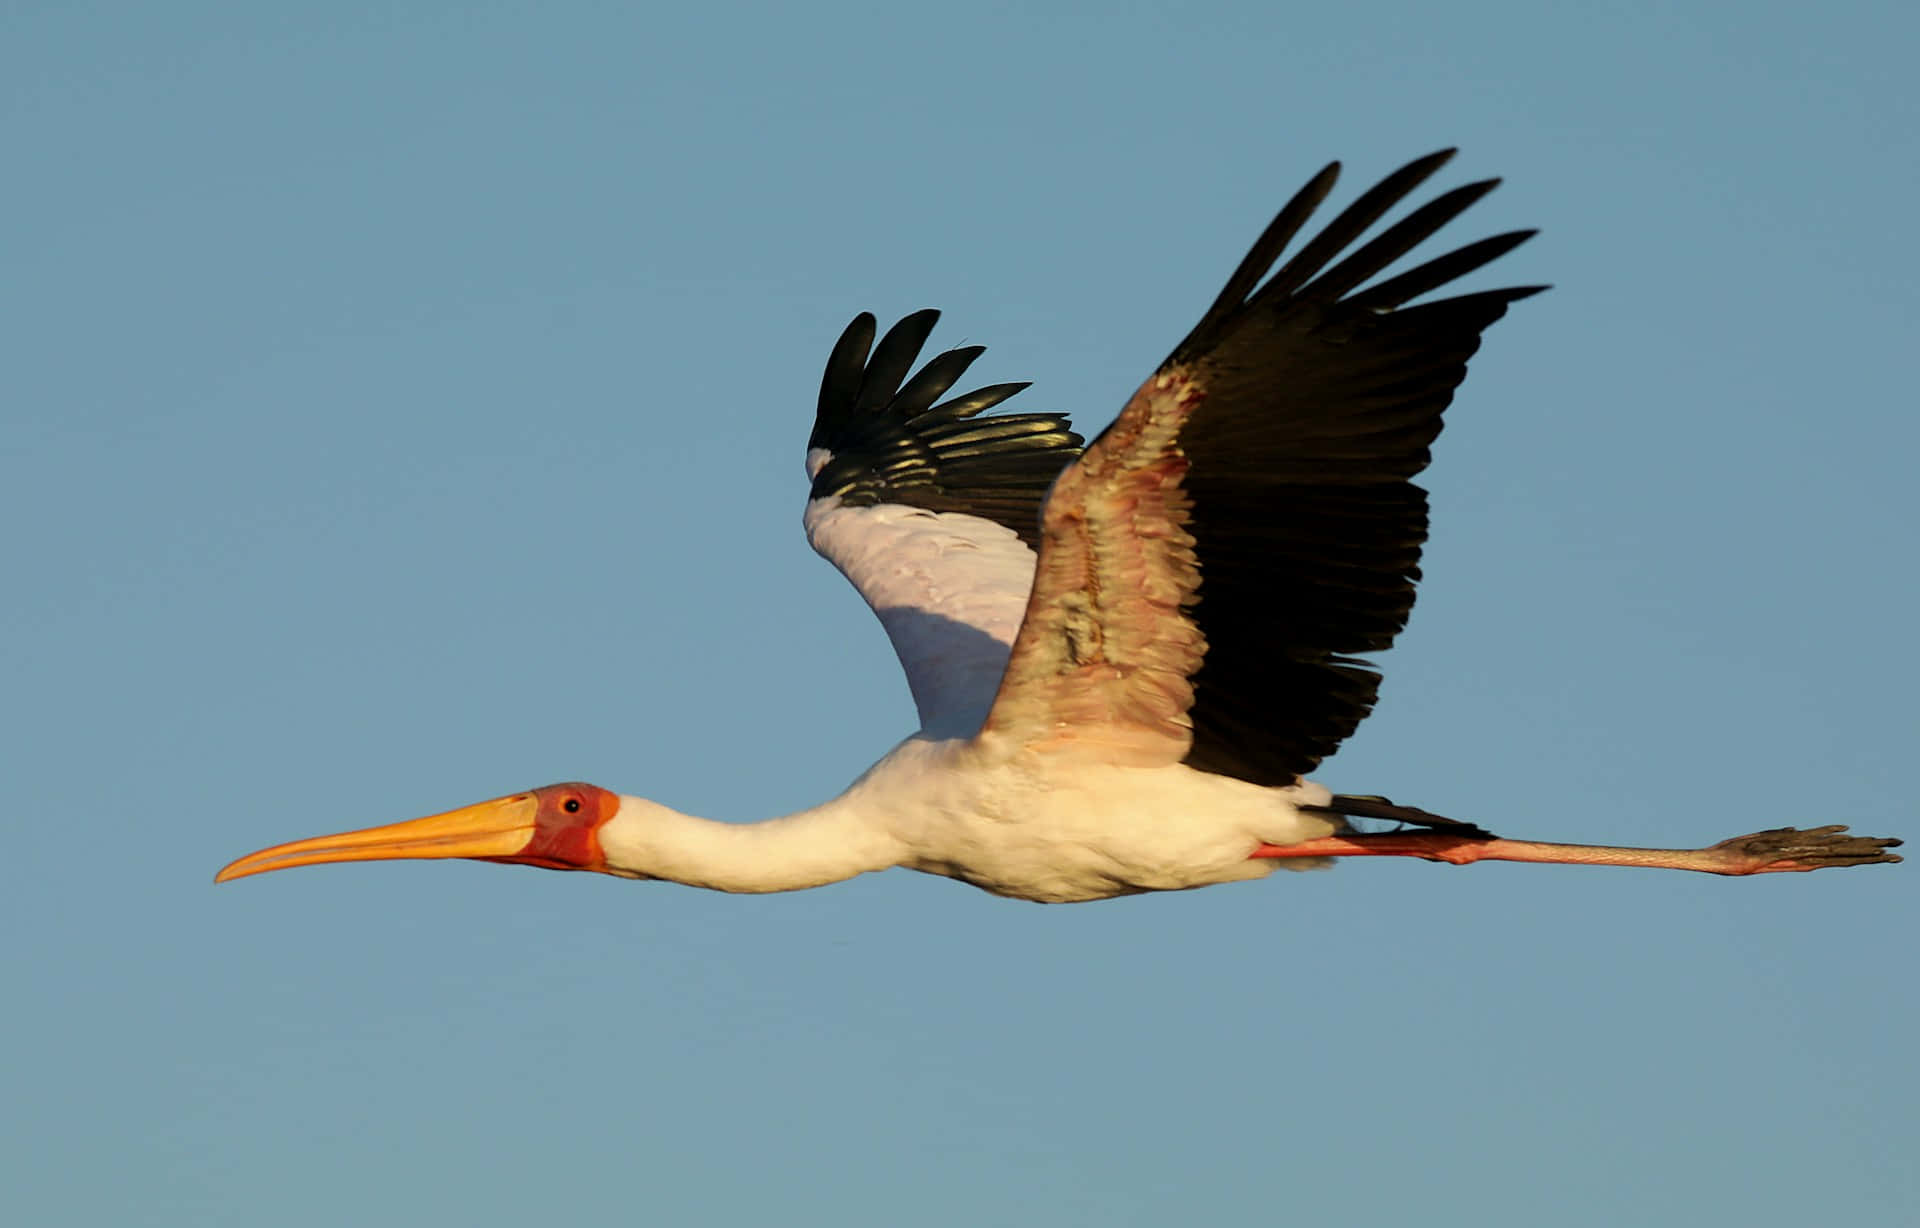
[(1054, 828)]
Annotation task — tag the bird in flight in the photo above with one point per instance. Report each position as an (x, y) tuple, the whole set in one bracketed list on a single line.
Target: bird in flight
[(1126, 656)]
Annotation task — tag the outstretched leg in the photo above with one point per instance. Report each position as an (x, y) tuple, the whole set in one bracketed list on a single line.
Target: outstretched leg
[(1781, 850)]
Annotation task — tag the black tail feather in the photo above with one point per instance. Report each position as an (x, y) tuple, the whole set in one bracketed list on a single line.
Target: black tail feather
[(1368, 806)]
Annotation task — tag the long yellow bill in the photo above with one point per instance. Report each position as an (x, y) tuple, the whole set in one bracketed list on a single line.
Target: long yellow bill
[(499, 828)]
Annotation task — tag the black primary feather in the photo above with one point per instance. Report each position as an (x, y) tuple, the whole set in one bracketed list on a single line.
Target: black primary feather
[(889, 443), (1320, 396)]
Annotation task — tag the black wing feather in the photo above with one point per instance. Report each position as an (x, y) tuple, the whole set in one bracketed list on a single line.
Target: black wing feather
[(889, 443), (1319, 405)]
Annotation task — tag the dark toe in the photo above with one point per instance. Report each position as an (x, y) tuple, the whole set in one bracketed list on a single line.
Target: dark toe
[(1816, 846)]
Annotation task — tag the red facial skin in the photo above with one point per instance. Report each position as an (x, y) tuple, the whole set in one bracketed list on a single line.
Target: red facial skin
[(567, 826)]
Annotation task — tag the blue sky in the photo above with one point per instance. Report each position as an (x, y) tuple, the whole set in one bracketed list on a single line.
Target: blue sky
[(405, 406)]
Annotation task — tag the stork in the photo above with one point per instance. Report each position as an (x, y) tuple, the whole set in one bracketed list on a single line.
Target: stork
[(1126, 656)]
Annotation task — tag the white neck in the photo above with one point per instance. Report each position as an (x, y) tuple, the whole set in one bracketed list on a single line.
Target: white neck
[(823, 845)]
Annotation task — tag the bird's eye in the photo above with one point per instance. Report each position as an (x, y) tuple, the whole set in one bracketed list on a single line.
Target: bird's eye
[(571, 805)]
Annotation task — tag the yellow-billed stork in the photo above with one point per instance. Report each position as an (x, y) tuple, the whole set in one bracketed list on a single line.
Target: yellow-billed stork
[(1125, 657)]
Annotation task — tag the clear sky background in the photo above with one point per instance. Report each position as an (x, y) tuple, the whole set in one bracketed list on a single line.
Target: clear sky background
[(404, 405)]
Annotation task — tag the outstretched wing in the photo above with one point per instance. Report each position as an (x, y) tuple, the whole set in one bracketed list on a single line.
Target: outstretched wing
[(932, 513), (1210, 564)]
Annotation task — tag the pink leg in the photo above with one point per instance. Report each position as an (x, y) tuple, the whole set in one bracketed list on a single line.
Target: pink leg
[(1780, 850)]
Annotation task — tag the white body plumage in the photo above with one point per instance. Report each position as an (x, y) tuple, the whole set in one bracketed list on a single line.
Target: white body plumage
[(1048, 826)]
